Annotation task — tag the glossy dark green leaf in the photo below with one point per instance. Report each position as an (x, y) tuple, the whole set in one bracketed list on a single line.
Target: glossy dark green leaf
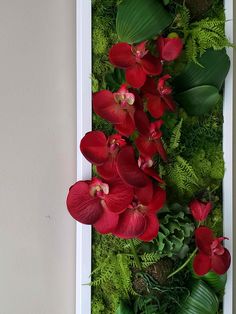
[(198, 100), (215, 66), (139, 20), (215, 281), (202, 300)]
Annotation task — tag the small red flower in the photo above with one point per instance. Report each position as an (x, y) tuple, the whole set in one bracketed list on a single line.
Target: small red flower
[(158, 96), (118, 108), (212, 255), (169, 48), (139, 220), (137, 62), (98, 203), (102, 151), (149, 141), (200, 210)]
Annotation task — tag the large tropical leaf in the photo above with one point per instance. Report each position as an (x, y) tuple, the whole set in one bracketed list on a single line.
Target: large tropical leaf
[(213, 70), (198, 100), (139, 20), (202, 300), (215, 281)]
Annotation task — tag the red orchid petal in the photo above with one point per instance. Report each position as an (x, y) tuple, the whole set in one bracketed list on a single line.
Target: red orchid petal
[(220, 263), (119, 197), (146, 147), (142, 123), (161, 150), (127, 167), (127, 127), (201, 264), (94, 147), (145, 194), (200, 210), (138, 105), (108, 169), (169, 102), (107, 222), (121, 55), (150, 86), (152, 228), (158, 200), (131, 224), (151, 64), (105, 106), (81, 205), (171, 49), (151, 172), (155, 105), (204, 237), (135, 76)]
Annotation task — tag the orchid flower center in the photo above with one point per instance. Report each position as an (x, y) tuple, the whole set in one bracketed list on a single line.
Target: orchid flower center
[(144, 163), (162, 88), (124, 97), (155, 132), (216, 247), (139, 51), (137, 206), (115, 142), (98, 188)]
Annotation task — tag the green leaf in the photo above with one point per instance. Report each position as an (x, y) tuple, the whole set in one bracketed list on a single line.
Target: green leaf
[(202, 300), (139, 20), (215, 281), (123, 309), (198, 100), (213, 70), (115, 79)]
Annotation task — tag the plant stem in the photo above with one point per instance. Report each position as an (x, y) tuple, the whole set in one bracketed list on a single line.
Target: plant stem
[(136, 258), (184, 264)]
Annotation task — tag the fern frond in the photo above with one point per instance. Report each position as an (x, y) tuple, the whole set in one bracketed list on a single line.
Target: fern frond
[(175, 137)]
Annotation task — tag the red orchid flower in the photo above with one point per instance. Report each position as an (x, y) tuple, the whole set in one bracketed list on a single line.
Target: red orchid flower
[(137, 62), (149, 141), (200, 210), (99, 203), (169, 48), (136, 174), (102, 151), (212, 255), (158, 96), (118, 108), (139, 220)]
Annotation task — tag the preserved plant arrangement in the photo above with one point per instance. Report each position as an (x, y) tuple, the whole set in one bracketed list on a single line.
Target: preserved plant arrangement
[(155, 199)]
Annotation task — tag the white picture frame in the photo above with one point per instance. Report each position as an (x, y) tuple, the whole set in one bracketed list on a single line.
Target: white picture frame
[(84, 124)]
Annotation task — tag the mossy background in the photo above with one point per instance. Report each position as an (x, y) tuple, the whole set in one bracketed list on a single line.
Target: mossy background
[(195, 167)]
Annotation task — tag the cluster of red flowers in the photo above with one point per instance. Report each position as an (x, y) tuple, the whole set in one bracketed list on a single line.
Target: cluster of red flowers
[(211, 254), (125, 199)]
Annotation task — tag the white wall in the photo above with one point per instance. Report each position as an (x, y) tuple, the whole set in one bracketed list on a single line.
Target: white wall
[(37, 156)]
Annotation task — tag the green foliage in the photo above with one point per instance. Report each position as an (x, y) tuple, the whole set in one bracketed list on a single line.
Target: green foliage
[(202, 300), (201, 35), (148, 19), (175, 137), (104, 36), (102, 125), (176, 231), (181, 176), (215, 220)]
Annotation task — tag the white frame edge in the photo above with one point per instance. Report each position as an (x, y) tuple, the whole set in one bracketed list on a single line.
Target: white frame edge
[(228, 157), (84, 124)]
